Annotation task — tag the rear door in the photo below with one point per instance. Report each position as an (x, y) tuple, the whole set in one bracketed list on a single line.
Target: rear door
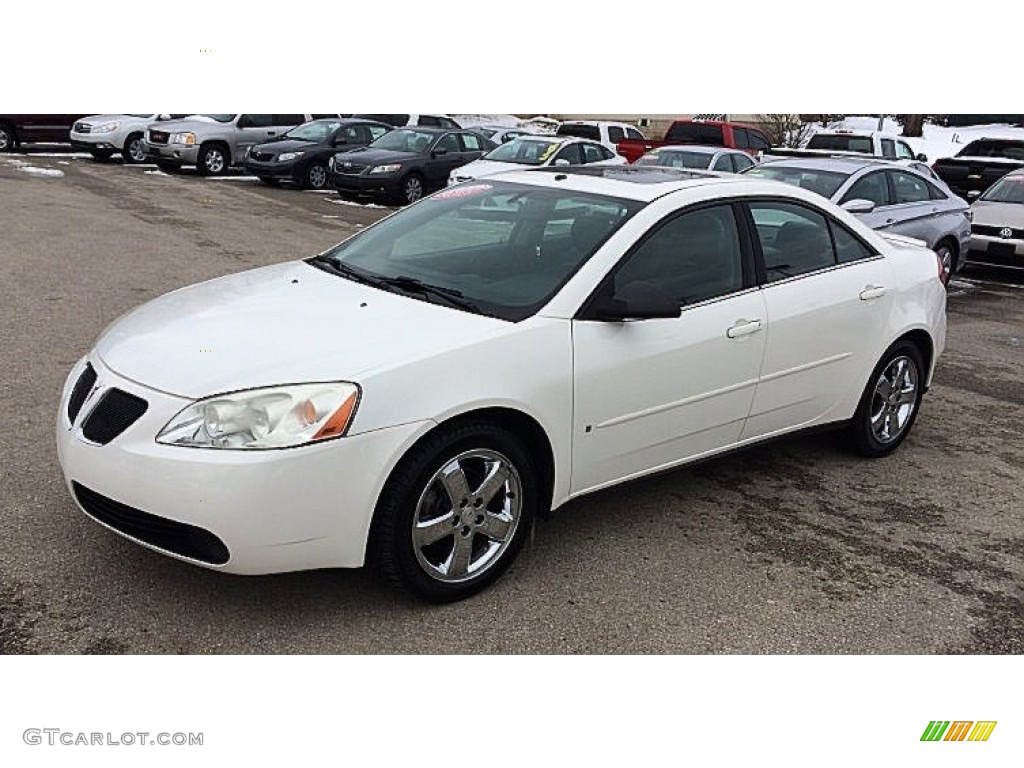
[(251, 129), (914, 211), (828, 297), (651, 393)]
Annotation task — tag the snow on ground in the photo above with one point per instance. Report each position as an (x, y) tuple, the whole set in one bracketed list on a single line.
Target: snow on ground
[(51, 173), (496, 121), (339, 201), (938, 141), (156, 173)]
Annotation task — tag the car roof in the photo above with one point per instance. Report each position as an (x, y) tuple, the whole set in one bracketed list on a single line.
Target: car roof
[(838, 164), (429, 129)]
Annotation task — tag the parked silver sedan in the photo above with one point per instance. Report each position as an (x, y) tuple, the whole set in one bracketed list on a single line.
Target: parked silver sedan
[(997, 232), (697, 157), (886, 196)]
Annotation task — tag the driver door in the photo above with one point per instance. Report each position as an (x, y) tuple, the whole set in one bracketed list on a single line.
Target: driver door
[(651, 393)]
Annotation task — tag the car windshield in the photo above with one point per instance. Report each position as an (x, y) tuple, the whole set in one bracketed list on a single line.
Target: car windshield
[(1013, 150), (1009, 189), (405, 141), (524, 151), (503, 249), (318, 130), (220, 118), (673, 159), (825, 183)]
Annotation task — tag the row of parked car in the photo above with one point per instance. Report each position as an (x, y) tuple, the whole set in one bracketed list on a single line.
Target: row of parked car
[(398, 158)]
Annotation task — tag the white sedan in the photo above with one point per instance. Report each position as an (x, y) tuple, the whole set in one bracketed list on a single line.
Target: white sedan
[(418, 393), (536, 152)]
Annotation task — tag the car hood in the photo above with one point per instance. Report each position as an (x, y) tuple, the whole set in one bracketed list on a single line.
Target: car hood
[(994, 214), (290, 145), (99, 119), (289, 323), (197, 122), (369, 156), (479, 168)]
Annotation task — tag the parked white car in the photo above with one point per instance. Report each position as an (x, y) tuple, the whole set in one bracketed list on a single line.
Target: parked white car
[(103, 135), (538, 152), (698, 157), (418, 393), (607, 133)]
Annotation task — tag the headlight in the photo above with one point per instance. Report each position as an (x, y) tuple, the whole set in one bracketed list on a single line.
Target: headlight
[(394, 168), (257, 419), (106, 128), (183, 138), (286, 156)]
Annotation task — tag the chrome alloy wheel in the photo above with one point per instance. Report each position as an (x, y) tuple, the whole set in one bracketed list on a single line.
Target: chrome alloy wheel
[(467, 515), (136, 150), (317, 176), (945, 253), (412, 189), (894, 399), (214, 160)]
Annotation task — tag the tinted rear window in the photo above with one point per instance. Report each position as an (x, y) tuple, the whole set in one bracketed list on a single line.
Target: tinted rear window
[(1013, 150), (581, 131), (695, 133), (841, 143), (397, 120)]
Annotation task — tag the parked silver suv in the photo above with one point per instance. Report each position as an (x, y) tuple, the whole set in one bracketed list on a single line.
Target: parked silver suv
[(214, 143)]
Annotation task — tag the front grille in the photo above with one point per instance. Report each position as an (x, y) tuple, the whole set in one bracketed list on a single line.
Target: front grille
[(348, 170), (159, 137), (82, 128), (263, 157), (81, 391), (114, 413), (180, 538), (985, 229)]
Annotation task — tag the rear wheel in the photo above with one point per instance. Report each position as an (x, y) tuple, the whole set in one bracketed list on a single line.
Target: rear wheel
[(947, 252), (212, 160), (890, 402), (456, 511), (134, 150), (7, 138)]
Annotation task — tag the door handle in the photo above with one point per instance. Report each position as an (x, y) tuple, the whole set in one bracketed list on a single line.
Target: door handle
[(889, 221), (743, 328), (873, 292)]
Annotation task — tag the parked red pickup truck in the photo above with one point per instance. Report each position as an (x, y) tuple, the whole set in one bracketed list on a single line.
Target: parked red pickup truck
[(714, 133)]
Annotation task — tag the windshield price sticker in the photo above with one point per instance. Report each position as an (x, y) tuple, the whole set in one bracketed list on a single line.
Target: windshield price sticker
[(472, 189)]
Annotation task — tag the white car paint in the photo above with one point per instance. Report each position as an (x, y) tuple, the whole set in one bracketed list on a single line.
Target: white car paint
[(488, 167), (615, 400)]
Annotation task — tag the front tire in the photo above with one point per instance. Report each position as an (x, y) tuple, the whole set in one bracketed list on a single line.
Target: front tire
[(212, 160), (455, 512), (411, 189), (134, 150), (891, 401), (8, 140), (315, 177)]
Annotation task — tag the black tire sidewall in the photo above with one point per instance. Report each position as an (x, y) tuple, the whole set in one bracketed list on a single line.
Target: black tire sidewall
[(126, 151), (391, 536), (864, 439), (12, 141)]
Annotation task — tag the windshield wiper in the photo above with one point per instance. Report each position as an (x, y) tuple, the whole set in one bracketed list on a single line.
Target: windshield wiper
[(415, 285), (344, 270)]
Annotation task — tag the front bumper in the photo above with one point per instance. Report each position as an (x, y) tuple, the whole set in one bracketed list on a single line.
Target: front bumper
[(90, 142), (273, 170), (996, 251), (277, 510), (185, 154), (367, 185)]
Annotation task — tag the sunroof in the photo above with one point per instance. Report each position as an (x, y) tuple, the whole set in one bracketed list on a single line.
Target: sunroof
[(637, 175)]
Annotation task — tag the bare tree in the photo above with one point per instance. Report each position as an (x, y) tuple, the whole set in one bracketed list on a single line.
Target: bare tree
[(913, 125), (785, 130)]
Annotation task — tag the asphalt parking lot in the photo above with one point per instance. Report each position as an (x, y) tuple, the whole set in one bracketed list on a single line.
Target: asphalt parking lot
[(795, 547)]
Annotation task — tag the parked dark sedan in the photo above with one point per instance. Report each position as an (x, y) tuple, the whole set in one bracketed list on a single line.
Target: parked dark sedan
[(300, 156), (403, 165), (16, 130)]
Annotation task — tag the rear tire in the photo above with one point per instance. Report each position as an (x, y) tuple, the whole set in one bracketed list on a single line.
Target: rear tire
[(890, 402), (947, 251), (134, 150), (455, 512)]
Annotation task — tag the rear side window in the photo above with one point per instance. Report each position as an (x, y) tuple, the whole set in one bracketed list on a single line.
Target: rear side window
[(740, 138), (255, 121), (580, 131), (994, 148), (841, 143), (872, 186), (450, 142), (429, 121), (759, 141), (848, 246), (903, 151), (741, 162), (694, 257), (723, 163), (471, 143), (615, 134), (633, 133), (376, 131), (448, 123), (696, 133), (888, 148), (571, 153), (909, 188), (794, 240), (592, 153), (935, 193)]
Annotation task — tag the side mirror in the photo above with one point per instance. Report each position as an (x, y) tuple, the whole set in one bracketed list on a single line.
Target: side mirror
[(636, 301), (858, 206), (973, 194), (439, 151), (561, 162), (921, 157)]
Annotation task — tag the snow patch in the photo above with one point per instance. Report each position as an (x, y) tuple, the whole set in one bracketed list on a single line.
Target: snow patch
[(50, 173), (339, 201), (156, 173), (938, 141)]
